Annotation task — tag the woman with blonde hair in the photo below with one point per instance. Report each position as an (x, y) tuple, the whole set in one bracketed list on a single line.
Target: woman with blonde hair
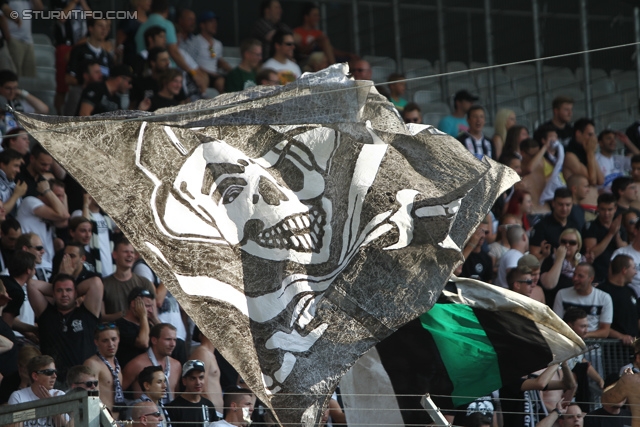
[(505, 118), (557, 269)]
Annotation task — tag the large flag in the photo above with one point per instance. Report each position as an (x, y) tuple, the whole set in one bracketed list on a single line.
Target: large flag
[(297, 225), (475, 339)]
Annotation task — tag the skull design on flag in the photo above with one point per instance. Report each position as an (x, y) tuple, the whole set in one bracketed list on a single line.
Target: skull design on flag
[(297, 225)]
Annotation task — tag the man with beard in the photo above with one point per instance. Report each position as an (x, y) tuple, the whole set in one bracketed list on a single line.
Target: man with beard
[(190, 408), (105, 364), (66, 327)]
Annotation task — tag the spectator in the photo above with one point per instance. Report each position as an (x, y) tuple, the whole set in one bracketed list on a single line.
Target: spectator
[(580, 157), (39, 166), (282, 59), (82, 377), (136, 324), (10, 231), (625, 308), (521, 206), (145, 86), (268, 24), (626, 388), (73, 263), (206, 352), (105, 364), (604, 235), (545, 234), (412, 114), (8, 348), (125, 36), (118, 286), (66, 326), (185, 26), (635, 168), (190, 408), (611, 164), (361, 70), (626, 193), (309, 38), (317, 61), (558, 269), (17, 139), (91, 50), (21, 41), (477, 264), (501, 244), (5, 56), (579, 187), (520, 281), (583, 295), (80, 233), (168, 96), (562, 113), (146, 413), (66, 34), (633, 250), (505, 118), (553, 161), (236, 400), (104, 97), (519, 245), (532, 263), (37, 214), (397, 91), (11, 191), (21, 269), (25, 323), (18, 99), (20, 379), (267, 77), (244, 75), (609, 415), (153, 384), (473, 139), (158, 16), (515, 135), (456, 123), (629, 219), (43, 375), (162, 342), (572, 416), (634, 366), (206, 50)]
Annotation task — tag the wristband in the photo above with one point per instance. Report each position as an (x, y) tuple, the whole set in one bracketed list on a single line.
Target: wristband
[(45, 191), (558, 411), (193, 72), (24, 93)]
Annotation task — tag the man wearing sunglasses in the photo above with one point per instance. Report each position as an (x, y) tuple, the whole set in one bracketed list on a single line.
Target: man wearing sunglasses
[(282, 60), (190, 409), (520, 281), (83, 377), (146, 414), (43, 375)]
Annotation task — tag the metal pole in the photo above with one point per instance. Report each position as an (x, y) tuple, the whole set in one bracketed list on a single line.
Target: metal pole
[(323, 17), (236, 22), (356, 27), (443, 53), (489, 37), (469, 40), (396, 34), (538, 51), (585, 57), (636, 22)]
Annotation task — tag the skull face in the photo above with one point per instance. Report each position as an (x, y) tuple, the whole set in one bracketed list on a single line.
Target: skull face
[(248, 206)]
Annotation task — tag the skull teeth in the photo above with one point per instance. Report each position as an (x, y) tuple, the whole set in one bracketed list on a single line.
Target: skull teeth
[(302, 232)]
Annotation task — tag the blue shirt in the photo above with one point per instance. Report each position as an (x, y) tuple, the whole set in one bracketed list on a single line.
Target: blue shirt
[(454, 126)]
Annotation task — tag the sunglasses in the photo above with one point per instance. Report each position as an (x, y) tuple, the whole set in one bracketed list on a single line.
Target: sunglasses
[(105, 326), (37, 248), (47, 372), (89, 384), (568, 242), (528, 282)]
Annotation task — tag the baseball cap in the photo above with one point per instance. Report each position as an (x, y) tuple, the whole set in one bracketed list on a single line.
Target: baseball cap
[(139, 292), (464, 95), (121, 70), (529, 261), (192, 365), (206, 16)]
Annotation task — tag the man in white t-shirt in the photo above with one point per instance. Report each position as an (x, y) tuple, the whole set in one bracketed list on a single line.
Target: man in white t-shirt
[(613, 165), (281, 62), (206, 50), (596, 303), (42, 372), (40, 214), (519, 242), (238, 407)]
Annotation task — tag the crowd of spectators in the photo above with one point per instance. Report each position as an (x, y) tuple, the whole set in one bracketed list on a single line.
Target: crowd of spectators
[(81, 309)]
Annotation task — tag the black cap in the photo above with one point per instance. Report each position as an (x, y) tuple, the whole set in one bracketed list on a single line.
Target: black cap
[(139, 292), (464, 95)]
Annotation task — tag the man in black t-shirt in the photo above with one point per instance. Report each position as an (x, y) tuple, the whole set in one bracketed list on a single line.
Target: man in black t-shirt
[(478, 264), (190, 409), (561, 121), (546, 233), (104, 96), (66, 329), (625, 307), (135, 324)]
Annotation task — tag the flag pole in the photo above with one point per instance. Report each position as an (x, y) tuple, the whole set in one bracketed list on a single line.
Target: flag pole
[(434, 411)]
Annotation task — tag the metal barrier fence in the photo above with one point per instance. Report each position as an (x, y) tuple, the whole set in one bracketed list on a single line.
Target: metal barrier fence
[(609, 357), (84, 407)]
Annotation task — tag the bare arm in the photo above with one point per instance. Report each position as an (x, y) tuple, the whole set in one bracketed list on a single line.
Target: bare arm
[(572, 166), (594, 172), (626, 385), (92, 290), (602, 331), (54, 210), (38, 105), (19, 191), (542, 381), (40, 295), (85, 109), (549, 279)]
